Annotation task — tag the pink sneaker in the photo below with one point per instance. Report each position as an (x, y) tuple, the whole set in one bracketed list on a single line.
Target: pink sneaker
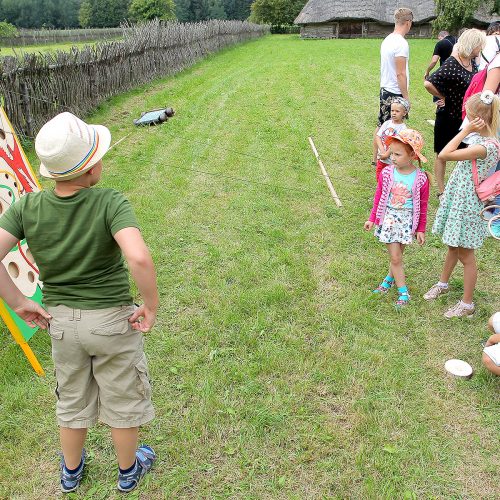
[(435, 292), (460, 310)]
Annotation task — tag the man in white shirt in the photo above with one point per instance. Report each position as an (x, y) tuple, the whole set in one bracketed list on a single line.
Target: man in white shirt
[(394, 75), (492, 47)]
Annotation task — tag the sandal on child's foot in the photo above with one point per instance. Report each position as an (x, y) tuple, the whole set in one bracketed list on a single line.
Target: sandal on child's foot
[(386, 284), (145, 457), (71, 480), (403, 298)]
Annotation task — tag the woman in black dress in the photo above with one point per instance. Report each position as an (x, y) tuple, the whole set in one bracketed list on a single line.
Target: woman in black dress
[(449, 84)]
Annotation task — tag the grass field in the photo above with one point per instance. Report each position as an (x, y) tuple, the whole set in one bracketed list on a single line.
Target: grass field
[(277, 374), (43, 49)]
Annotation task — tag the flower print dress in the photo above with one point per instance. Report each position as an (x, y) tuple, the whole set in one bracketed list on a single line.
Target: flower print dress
[(398, 219), (457, 219)]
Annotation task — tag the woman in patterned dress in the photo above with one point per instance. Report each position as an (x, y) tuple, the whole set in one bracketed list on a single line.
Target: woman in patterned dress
[(458, 220)]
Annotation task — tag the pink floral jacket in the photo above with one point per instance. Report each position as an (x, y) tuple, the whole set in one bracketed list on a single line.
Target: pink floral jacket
[(420, 193)]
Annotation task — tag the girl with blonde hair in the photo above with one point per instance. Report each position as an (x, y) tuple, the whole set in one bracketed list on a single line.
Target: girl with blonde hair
[(458, 219)]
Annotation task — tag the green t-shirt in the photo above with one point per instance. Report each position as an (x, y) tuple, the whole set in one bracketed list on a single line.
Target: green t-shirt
[(71, 240)]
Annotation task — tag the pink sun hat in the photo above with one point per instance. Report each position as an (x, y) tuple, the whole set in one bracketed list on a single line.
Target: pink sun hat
[(67, 146), (412, 138)]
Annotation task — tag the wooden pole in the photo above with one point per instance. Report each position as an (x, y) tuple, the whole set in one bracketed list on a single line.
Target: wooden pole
[(27, 109), (325, 174)]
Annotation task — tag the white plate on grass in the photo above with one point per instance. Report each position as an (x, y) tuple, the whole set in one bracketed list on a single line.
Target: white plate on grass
[(458, 368)]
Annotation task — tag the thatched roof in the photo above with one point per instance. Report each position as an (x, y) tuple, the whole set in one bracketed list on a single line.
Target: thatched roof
[(322, 11)]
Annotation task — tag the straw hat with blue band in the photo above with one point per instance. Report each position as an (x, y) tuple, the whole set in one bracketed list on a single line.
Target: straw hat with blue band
[(68, 147)]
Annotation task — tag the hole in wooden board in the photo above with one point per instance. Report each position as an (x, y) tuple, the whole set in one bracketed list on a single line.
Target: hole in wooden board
[(13, 269), (31, 277), (29, 256)]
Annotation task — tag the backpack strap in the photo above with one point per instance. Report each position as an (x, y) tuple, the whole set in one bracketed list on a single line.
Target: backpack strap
[(475, 174)]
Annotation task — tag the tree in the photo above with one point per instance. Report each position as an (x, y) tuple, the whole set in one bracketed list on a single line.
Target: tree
[(103, 13), (276, 12), (238, 9), (453, 14), (41, 13), (145, 10), (7, 29), (182, 10), (216, 10)]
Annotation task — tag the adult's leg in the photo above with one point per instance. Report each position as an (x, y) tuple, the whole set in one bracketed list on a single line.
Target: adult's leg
[(72, 441), (468, 259), (125, 441)]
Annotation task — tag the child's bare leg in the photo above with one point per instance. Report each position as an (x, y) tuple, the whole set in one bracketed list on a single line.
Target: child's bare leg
[(449, 264), (125, 441), (72, 441), (396, 259), (492, 367), (439, 172), (468, 259)]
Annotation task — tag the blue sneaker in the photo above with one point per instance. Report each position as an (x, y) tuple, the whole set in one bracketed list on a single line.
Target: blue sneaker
[(145, 457), (70, 482)]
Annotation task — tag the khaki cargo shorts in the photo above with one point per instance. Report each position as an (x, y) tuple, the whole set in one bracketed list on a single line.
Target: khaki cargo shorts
[(100, 367)]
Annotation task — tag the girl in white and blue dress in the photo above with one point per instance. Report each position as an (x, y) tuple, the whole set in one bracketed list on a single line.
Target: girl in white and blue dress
[(458, 219)]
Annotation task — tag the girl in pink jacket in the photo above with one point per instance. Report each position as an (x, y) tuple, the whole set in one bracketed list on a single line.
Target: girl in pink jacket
[(400, 207)]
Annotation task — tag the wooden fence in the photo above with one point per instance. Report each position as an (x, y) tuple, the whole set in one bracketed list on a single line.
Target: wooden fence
[(40, 37), (36, 87)]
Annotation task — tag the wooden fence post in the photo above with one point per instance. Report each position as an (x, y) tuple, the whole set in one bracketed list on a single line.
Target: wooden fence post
[(25, 102)]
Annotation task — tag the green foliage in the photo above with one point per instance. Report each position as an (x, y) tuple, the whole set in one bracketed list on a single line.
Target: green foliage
[(7, 29), (103, 13), (199, 10), (146, 10), (276, 12), (40, 13), (453, 14), (216, 10)]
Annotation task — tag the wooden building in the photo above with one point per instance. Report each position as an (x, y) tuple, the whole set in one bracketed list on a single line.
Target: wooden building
[(361, 19)]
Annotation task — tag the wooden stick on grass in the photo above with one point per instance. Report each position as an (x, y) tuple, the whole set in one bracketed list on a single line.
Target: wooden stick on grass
[(118, 142), (325, 174)]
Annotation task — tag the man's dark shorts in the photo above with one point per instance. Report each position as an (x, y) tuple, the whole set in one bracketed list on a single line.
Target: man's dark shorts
[(386, 98)]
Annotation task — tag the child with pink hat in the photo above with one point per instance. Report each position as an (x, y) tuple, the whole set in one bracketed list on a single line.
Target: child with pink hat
[(78, 236), (400, 207)]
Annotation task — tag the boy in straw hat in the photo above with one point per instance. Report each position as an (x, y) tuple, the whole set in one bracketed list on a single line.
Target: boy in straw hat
[(77, 236)]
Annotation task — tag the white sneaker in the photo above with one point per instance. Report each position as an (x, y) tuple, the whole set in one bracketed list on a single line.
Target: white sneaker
[(460, 310), (436, 291)]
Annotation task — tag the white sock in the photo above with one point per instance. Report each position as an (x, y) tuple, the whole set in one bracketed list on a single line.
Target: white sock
[(467, 306), (440, 284)]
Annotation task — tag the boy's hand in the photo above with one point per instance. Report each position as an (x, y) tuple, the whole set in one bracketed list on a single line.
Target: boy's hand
[(385, 155), (143, 319), (368, 225), (420, 238), (33, 314)]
